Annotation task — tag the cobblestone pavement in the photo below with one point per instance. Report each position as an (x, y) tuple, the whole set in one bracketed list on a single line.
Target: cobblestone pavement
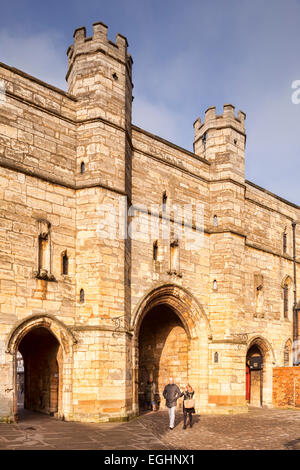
[(258, 429)]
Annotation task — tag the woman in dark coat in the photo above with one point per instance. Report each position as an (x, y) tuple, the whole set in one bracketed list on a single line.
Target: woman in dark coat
[(188, 395)]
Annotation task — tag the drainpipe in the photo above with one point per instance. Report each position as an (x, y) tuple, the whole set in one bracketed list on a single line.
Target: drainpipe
[(295, 311)]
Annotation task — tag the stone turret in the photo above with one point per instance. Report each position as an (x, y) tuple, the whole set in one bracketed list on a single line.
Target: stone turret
[(221, 139), (99, 76)]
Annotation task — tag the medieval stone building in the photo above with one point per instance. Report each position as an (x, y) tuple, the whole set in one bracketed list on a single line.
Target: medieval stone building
[(93, 317)]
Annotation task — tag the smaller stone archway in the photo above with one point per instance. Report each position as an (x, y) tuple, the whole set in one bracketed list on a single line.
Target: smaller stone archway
[(41, 354), (177, 314), (46, 345), (260, 359)]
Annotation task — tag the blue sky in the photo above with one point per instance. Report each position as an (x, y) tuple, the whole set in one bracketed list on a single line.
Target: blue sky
[(188, 55)]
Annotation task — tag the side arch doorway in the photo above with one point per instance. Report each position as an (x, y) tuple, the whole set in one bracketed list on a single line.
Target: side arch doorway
[(260, 359), (41, 353), (254, 376)]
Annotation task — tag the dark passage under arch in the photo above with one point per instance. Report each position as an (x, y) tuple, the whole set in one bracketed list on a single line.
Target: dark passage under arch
[(163, 350), (40, 351)]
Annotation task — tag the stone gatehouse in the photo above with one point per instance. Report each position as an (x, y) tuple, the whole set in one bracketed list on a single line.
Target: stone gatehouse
[(86, 320)]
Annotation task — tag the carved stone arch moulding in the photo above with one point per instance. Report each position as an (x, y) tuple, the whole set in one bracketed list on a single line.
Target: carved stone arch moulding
[(186, 306), (264, 345), (62, 333)]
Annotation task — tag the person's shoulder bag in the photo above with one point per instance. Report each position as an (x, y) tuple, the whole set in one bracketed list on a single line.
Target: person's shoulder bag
[(189, 402)]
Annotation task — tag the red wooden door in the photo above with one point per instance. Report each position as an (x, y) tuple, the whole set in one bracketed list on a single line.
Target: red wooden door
[(247, 382)]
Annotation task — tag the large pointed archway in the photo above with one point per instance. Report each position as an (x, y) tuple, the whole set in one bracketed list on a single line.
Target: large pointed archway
[(163, 351), (171, 326)]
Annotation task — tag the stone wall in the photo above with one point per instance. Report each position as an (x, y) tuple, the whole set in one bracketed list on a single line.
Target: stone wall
[(286, 386), (37, 128), (227, 292)]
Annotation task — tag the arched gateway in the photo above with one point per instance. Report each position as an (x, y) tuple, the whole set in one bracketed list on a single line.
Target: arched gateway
[(171, 333), (45, 344), (259, 362)]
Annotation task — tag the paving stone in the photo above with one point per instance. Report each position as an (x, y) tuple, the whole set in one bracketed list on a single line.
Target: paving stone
[(261, 429)]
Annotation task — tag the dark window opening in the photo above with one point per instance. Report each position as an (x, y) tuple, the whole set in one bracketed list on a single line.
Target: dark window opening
[(81, 295), (155, 250), (65, 263), (284, 243), (164, 199), (82, 168)]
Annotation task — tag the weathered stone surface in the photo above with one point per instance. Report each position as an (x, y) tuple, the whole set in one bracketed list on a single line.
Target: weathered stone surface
[(64, 157), (286, 386)]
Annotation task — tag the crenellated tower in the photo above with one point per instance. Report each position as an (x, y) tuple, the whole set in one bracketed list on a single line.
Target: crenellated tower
[(221, 139), (100, 77)]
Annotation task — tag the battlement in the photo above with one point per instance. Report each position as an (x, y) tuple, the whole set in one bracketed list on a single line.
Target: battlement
[(99, 42), (220, 121)]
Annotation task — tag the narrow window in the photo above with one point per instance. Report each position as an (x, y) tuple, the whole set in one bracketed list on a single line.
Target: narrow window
[(215, 220), (65, 263), (285, 300), (82, 168), (216, 357), (284, 242), (155, 250), (259, 298), (164, 200), (215, 285), (81, 296)]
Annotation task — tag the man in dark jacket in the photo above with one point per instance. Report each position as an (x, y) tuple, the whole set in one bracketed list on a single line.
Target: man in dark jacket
[(171, 393)]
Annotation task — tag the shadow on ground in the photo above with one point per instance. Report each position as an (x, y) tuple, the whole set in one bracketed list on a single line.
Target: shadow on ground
[(39, 431), (158, 423), (269, 429)]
